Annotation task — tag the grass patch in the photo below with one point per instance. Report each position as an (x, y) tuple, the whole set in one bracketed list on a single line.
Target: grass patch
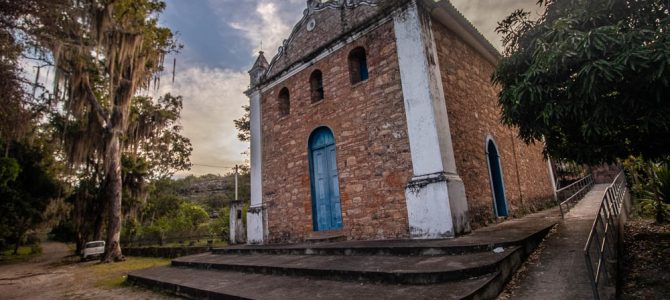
[(113, 275), (24, 253)]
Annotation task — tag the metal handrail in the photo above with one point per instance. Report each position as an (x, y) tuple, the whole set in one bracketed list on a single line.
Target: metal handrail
[(582, 186), (604, 235)]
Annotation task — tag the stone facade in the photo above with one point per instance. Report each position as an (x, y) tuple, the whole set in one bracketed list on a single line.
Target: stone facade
[(330, 23), (474, 115), (408, 142), (373, 156)]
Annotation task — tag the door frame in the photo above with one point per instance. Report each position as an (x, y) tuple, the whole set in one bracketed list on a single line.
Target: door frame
[(489, 139), (312, 187)]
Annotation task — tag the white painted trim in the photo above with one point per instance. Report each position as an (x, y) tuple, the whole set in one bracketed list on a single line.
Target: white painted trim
[(490, 139), (435, 197), (255, 224), (419, 93), (256, 148), (550, 168)]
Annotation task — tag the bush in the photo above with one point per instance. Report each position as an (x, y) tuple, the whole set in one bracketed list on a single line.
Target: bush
[(650, 187)]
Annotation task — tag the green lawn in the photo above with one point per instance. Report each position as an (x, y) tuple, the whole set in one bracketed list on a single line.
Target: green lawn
[(24, 253)]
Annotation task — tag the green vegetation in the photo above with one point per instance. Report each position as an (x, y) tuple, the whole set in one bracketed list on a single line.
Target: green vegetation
[(589, 78), (183, 212), (650, 188), (28, 187), (22, 253)]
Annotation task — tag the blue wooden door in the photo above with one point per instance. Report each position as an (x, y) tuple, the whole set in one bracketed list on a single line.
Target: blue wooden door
[(497, 183), (325, 183)]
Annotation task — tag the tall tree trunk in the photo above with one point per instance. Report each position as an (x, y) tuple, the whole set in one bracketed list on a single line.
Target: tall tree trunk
[(113, 192)]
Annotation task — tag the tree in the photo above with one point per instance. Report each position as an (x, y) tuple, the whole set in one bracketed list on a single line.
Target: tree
[(153, 149), (243, 125), (27, 190), (589, 78), (104, 51)]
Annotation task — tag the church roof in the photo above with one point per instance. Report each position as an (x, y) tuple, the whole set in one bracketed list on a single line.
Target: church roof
[(261, 62), (327, 22)]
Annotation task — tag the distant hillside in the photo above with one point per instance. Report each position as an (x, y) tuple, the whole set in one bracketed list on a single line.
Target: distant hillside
[(213, 191)]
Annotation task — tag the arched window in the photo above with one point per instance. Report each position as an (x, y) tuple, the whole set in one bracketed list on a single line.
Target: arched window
[(284, 102), (358, 65), (316, 82)]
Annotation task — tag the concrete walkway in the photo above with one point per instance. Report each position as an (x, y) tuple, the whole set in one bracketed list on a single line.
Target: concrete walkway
[(561, 271)]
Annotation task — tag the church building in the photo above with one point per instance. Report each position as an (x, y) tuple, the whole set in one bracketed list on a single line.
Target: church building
[(377, 119)]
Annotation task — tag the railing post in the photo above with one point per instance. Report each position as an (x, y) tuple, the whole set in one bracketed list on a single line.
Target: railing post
[(604, 233)]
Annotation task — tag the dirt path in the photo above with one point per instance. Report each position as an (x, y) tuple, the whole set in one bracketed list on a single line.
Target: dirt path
[(56, 274)]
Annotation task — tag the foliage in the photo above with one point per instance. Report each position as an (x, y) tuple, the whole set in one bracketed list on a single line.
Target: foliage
[(589, 78), (650, 187), (220, 226), (154, 135), (9, 170), (243, 125), (25, 198)]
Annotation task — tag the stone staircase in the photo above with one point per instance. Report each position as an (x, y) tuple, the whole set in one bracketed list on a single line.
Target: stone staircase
[(476, 266)]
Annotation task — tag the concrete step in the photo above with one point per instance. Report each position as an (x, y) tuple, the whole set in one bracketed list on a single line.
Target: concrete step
[(382, 269), (461, 268), (505, 235), (326, 237), (209, 284)]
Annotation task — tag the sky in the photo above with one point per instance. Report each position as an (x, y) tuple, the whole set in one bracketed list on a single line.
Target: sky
[(221, 39)]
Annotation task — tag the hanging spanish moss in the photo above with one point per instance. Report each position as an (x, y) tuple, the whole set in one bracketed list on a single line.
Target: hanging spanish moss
[(114, 48)]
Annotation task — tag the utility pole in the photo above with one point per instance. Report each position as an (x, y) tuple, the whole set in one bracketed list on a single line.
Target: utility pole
[(236, 173), (236, 228)]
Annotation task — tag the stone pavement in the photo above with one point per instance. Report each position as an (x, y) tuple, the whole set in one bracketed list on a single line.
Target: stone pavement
[(561, 271)]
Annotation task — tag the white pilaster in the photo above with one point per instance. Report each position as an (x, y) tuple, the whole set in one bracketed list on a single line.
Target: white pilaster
[(436, 202), (255, 225)]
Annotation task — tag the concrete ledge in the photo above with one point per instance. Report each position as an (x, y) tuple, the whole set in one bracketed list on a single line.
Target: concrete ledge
[(164, 252), (416, 270)]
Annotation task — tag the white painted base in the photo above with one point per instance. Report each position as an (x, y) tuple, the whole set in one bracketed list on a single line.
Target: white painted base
[(255, 225), (428, 210), (458, 204)]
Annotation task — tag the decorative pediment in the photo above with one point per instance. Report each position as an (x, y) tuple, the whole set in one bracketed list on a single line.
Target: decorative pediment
[(317, 5), (323, 22)]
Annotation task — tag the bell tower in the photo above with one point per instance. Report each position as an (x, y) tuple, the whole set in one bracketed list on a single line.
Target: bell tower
[(259, 69)]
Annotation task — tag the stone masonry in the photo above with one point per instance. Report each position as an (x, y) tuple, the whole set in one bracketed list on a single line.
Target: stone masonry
[(373, 156), (370, 123), (474, 114)]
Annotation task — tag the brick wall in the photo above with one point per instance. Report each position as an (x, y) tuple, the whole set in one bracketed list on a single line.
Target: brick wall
[(373, 157), (473, 114)]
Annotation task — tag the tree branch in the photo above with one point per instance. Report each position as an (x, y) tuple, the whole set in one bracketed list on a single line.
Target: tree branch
[(101, 114)]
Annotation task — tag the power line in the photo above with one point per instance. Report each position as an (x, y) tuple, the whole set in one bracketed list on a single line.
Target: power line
[(213, 166)]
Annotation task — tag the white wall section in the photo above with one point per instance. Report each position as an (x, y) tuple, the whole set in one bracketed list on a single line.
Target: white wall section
[(436, 202), (255, 225)]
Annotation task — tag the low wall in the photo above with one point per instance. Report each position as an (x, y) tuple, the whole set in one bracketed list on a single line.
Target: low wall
[(164, 252)]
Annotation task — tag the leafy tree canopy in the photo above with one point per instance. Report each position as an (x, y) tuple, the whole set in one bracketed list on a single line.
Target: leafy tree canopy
[(31, 186), (590, 78)]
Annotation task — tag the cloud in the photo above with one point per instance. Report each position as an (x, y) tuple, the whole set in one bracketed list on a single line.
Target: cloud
[(213, 98), (271, 30), (485, 14), (222, 38)]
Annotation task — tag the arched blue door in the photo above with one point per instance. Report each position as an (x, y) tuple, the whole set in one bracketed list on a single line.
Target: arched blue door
[(497, 183), (327, 213)]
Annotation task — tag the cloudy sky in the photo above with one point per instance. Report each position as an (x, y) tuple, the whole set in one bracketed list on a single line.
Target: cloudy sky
[(220, 39)]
